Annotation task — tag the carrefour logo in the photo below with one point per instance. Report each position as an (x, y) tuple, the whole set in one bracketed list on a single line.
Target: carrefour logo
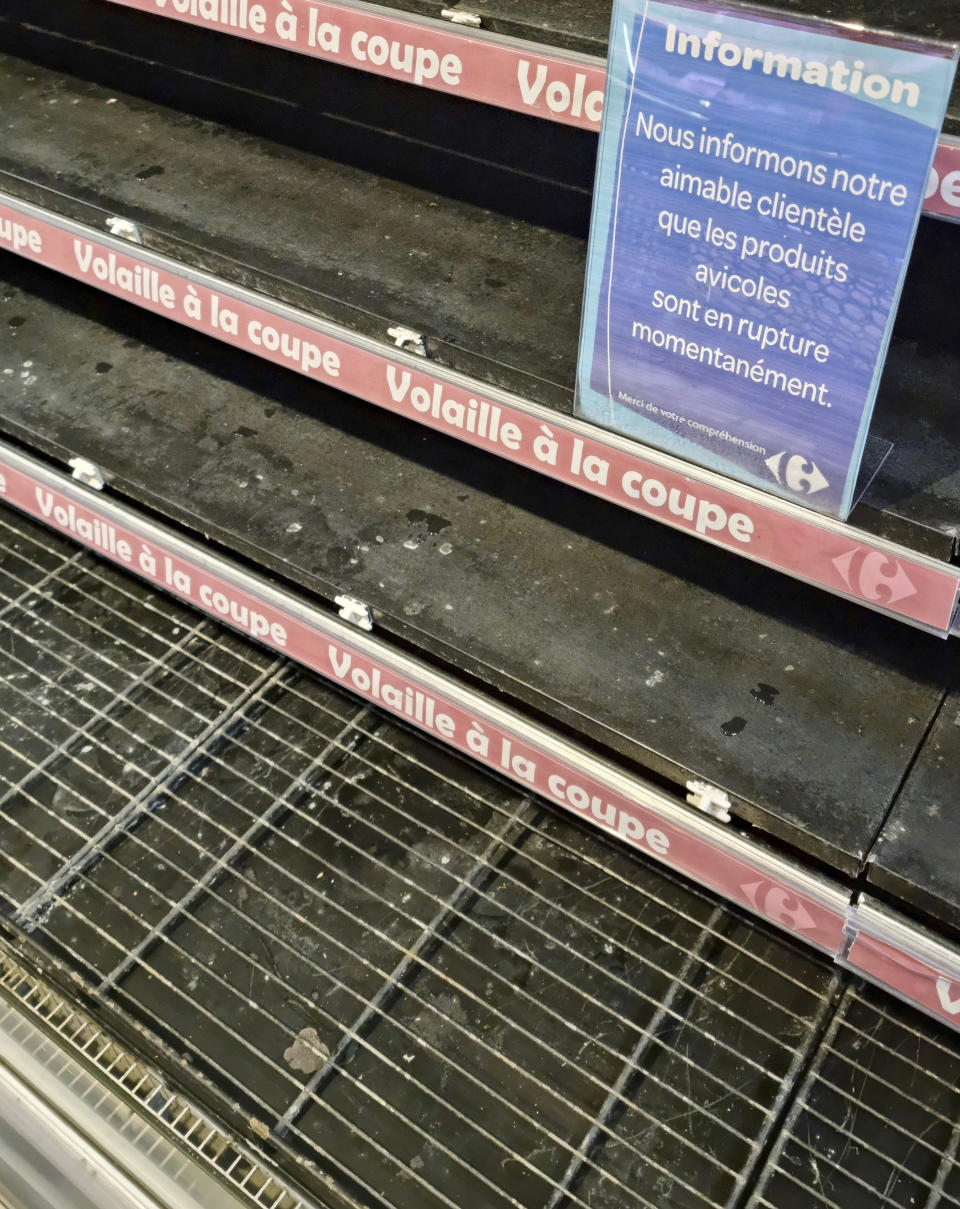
[(780, 905), (873, 575), (947, 1001), (797, 473)]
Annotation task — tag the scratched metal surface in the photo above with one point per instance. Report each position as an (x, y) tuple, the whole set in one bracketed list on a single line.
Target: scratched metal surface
[(424, 983), (915, 856), (668, 652), (876, 1123), (412, 985)]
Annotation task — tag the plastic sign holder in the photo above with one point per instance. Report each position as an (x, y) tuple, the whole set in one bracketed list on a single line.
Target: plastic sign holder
[(525, 77), (869, 570), (759, 184), (880, 944)]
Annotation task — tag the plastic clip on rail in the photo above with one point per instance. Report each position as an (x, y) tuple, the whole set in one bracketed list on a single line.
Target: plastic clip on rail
[(883, 946)]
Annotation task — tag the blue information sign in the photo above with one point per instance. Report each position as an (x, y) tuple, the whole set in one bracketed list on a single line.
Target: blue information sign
[(758, 189)]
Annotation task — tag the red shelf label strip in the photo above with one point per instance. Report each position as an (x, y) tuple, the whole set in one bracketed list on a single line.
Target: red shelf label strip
[(447, 58), (481, 729), (935, 991), (943, 189), (826, 555), (526, 78), (467, 722)]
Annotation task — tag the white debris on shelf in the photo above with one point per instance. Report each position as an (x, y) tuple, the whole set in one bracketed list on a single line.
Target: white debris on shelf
[(124, 228), (456, 17)]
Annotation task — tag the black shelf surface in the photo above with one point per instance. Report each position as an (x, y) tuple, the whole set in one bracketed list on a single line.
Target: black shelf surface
[(352, 247), (915, 857), (514, 163), (497, 298), (407, 984), (808, 710)]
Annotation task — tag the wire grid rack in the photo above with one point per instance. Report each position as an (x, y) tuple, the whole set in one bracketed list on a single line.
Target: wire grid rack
[(876, 1121), (407, 981)]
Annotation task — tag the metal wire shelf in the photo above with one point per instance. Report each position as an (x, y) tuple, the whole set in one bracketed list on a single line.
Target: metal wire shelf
[(418, 985)]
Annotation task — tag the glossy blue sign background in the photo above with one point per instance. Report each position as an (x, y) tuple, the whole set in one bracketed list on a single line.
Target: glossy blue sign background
[(758, 189)]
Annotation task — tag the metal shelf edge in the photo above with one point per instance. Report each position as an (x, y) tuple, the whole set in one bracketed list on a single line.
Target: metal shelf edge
[(849, 563), (874, 941), (907, 960)]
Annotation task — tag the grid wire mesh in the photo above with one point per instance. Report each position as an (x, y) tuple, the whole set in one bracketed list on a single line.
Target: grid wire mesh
[(419, 985), (156, 1101)]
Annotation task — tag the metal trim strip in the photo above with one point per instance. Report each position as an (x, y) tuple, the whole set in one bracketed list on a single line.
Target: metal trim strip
[(907, 960), (776, 533), (51, 1149), (227, 1174)]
